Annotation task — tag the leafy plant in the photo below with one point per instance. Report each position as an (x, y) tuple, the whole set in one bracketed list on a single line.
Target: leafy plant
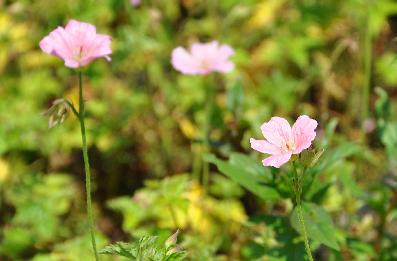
[(148, 248)]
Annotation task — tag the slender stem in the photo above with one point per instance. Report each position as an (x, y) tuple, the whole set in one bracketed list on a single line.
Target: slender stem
[(197, 160), (75, 112), (86, 165), (173, 215), (367, 63), (207, 131), (303, 227), (297, 186)]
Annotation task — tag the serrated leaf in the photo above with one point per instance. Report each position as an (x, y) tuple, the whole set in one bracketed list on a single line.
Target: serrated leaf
[(318, 223), (121, 249), (147, 248)]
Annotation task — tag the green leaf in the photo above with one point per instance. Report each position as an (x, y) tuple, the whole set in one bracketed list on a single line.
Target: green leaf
[(318, 223), (235, 96), (244, 173), (252, 166), (332, 156)]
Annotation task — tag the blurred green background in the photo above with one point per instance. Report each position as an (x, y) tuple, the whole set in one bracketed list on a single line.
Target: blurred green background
[(293, 57)]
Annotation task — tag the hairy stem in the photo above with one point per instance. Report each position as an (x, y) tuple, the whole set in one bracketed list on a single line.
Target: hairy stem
[(86, 165), (304, 233), (297, 186)]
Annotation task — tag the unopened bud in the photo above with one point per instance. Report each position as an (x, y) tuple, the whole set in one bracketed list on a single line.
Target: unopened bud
[(309, 158), (57, 113)]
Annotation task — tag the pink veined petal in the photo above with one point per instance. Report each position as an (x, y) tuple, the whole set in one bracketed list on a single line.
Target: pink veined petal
[(80, 29), (57, 43), (303, 132), (276, 160), (85, 38), (100, 47), (184, 62), (46, 45), (72, 25), (277, 131), (264, 146)]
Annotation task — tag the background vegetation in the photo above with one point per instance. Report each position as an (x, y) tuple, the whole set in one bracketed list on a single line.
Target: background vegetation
[(334, 60)]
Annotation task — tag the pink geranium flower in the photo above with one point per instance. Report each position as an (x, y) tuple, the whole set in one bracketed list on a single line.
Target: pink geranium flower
[(282, 141), (77, 44), (203, 58), (135, 2)]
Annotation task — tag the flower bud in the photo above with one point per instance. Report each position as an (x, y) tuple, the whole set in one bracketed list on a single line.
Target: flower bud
[(309, 158), (57, 113)]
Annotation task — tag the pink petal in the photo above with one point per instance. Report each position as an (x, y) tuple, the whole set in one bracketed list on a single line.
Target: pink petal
[(264, 146), (99, 46), (277, 131), (225, 51), (71, 63), (57, 43), (184, 62), (204, 50), (276, 160), (224, 67), (303, 132), (80, 29)]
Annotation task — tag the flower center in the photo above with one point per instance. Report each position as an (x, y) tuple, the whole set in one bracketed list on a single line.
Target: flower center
[(290, 146), (206, 64), (79, 54)]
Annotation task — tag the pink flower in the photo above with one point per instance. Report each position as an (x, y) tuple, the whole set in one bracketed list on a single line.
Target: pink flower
[(77, 44), (282, 141), (203, 58), (135, 3)]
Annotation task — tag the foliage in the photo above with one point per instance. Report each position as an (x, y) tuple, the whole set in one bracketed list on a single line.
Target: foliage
[(145, 135), (147, 248)]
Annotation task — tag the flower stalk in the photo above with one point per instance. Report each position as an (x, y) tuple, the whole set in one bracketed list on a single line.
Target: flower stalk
[(368, 44), (297, 186), (209, 100), (81, 116)]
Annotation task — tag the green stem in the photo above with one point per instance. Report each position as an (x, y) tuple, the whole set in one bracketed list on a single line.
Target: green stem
[(197, 159), (75, 112), (367, 64), (303, 227), (207, 131), (173, 216), (86, 165), (298, 192)]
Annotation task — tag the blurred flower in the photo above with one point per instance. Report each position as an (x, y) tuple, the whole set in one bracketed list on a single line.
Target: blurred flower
[(135, 3), (77, 44), (203, 58), (282, 141), (369, 125)]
